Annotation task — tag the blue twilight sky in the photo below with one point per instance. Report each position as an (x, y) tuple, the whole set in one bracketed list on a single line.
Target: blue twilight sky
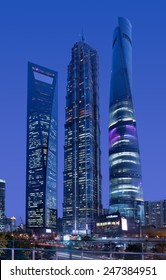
[(44, 32)]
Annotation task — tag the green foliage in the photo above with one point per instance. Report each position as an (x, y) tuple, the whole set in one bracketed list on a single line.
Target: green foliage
[(159, 248), (3, 242)]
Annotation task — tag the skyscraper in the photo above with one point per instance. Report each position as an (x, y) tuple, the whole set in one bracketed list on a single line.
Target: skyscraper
[(155, 213), (126, 194), (82, 175), (41, 168), (2, 205)]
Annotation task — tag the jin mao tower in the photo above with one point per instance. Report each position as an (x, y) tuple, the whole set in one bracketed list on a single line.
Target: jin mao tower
[(82, 175)]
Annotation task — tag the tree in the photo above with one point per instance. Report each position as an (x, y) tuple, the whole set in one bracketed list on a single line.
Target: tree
[(3, 242), (160, 248)]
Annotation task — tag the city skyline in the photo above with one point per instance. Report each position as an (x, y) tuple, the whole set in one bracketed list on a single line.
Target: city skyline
[(21, 24)]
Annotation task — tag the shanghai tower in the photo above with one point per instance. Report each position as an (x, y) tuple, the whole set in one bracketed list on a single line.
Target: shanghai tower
[(82, 175), (126, 194)]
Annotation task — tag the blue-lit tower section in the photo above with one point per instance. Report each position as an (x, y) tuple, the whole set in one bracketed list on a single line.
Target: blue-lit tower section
[(41, 164), (126, 194), (82, 175)]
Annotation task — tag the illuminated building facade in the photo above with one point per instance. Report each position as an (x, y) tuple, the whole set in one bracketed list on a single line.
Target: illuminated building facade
[(82, 176), (109, 225), (155, 213), (41, 169), (126, 194), (2, 205), (11, 224)]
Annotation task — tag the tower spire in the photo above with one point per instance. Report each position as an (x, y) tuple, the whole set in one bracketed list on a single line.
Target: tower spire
[(82, 36)]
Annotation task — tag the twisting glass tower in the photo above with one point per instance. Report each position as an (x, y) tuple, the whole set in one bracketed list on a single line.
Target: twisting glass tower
[(124, 158), (41, 170), (82, 177)]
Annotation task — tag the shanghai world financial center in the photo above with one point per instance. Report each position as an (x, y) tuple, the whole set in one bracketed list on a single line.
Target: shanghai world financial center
[(82, 190), (41, 172)]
